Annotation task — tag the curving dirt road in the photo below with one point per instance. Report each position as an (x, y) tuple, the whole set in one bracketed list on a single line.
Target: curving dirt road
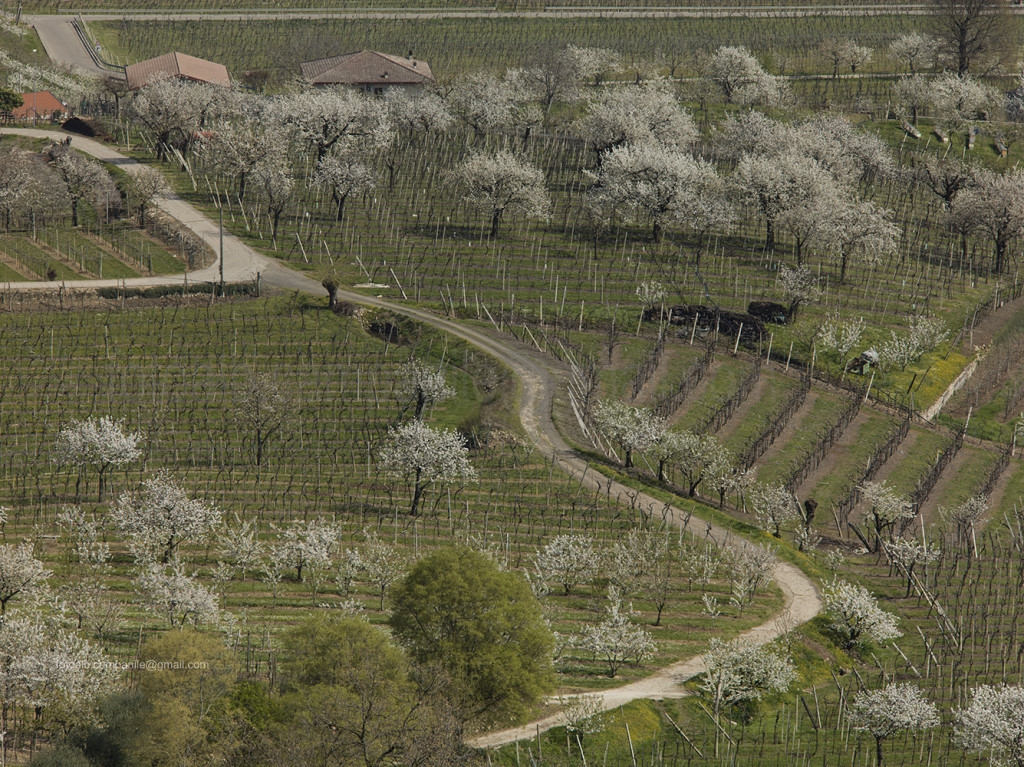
[(537, 386)]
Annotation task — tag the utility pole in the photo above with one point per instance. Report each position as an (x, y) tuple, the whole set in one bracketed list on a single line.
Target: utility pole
[(221, 208)]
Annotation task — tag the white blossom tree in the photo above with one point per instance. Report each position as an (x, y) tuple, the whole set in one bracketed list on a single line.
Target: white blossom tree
[(424, 385), (500, 183), (741, 78), (424, 456), (343, 175), (993, 723), (773, 506), (994, 206), (634, 560), (21, 574), (82, 177), (238, 146), (840, 336), (663, 185), (965, 516), (841, 52), (178, 597), (775, 185), (160, 516), (275, 186), (885, 508), (798, 286), (855, 614), (240, 542), (167, 111), (48, 669), (912, 95), (383, 564), (908, 553), (98, 442), (701, 457), (336, 119), (898, 708), (616, 639), (637, 114), (306, 545), (750, 568), (421, 111), (261, 409), (959, 100), (632, 428), (922, 335), (143, 187), (740, 670), (862, 231), (484, 102), (568, 560), (914, 49)]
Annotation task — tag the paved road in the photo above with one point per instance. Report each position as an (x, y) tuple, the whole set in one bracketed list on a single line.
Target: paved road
[(537, 387), (62, 44)]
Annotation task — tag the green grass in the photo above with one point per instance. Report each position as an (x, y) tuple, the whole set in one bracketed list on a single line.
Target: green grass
[(722, 381), (849, 467), (777, 393), (809, 429), (921, 449), (975, 467)]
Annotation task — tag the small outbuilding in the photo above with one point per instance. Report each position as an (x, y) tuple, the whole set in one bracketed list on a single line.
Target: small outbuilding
[(370, 71), (178, 65), (39, 105)]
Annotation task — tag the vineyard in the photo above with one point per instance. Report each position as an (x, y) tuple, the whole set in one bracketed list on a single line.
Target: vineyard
[(456, 46), (680, 342)]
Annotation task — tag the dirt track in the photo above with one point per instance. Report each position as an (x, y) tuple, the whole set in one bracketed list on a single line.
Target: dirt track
[(537, 386)]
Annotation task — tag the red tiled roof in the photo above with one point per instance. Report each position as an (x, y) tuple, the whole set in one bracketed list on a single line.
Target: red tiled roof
[(367, 68), (176, 65), (43, 103)]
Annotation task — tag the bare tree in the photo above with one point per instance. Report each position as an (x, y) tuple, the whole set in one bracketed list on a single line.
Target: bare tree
[(973, 35)]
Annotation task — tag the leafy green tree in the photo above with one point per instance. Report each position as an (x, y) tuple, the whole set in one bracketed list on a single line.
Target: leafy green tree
[(9, 100), (177, 716), (353, 698), (482, 626)]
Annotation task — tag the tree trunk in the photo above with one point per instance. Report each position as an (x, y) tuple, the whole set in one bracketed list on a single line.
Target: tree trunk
[(495, 220), (417, 493), (878, 751), (769, 239), (842, 267), (628, 462)]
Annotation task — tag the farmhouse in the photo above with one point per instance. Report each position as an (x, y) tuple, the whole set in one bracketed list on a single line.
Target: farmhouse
[(39, 105), (178, 65), (370, 71)]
